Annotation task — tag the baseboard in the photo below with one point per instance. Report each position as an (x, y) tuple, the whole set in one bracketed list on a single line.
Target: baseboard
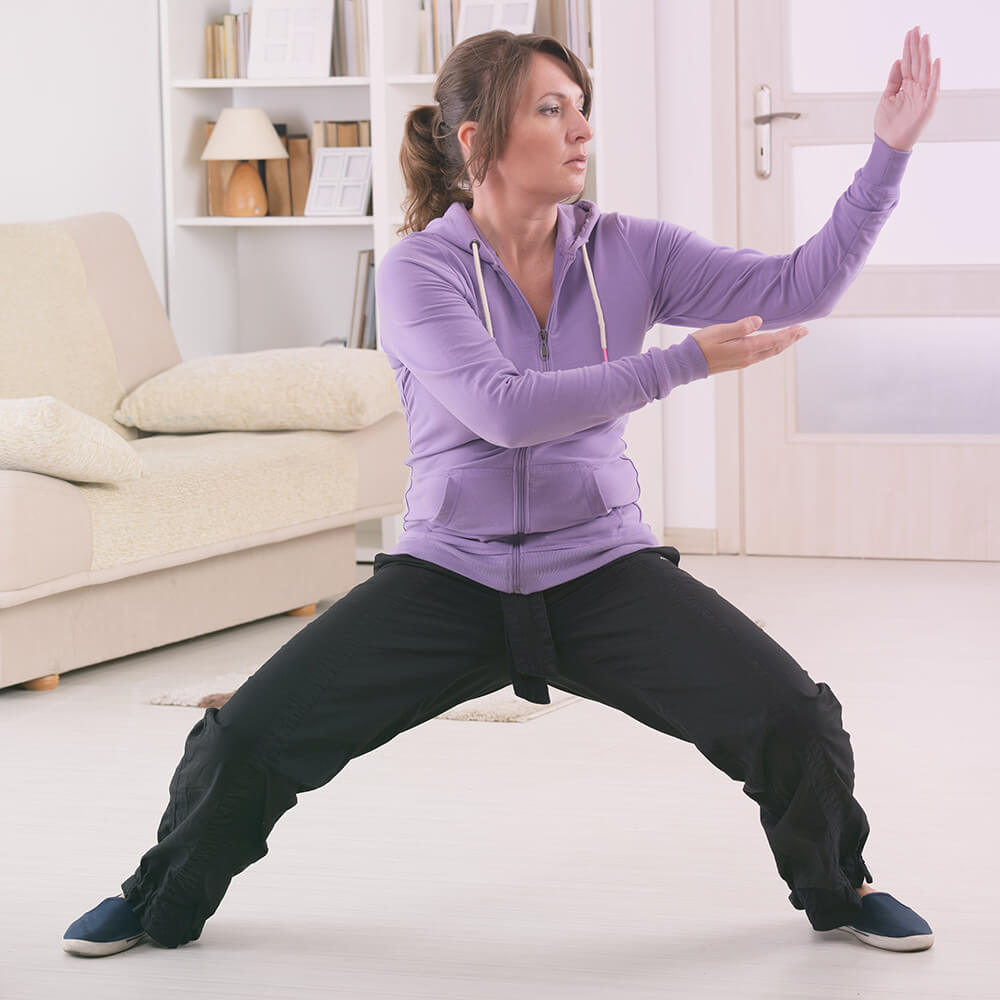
[(696, 541)]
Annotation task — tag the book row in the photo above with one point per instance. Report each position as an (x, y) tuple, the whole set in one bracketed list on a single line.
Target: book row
[(320, 38), (363, 330), (443, 23), (273, 40)]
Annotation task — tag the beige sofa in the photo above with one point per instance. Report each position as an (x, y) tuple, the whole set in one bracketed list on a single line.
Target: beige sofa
[(221, 527)]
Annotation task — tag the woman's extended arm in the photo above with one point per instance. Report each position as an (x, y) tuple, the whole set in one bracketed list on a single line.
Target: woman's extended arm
[(695, 282)]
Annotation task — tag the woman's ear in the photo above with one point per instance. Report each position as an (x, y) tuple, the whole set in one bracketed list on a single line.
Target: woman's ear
[(466, 132)]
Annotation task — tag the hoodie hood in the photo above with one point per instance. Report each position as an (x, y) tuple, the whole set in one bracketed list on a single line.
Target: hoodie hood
[(574, 226)]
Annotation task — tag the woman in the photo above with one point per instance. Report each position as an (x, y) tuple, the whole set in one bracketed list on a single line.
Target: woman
[(515, 323)]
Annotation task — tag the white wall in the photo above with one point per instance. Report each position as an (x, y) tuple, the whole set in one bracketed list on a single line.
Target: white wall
[(684, 152), (81, 122)]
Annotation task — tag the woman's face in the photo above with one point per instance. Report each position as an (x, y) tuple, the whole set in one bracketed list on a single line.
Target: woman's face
[(547, 138)]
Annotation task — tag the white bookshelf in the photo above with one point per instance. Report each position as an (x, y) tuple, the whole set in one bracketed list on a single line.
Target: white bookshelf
[(246, 284), (249, 284)]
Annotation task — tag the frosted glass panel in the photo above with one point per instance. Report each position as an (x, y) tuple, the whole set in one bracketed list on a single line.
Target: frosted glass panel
[(899, 375), (850, 45), (948, 211)]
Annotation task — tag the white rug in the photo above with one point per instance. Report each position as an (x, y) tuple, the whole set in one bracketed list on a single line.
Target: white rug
[(501, 706)]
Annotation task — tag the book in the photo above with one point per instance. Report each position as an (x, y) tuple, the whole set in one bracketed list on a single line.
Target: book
[(299, 171), (443, 31), (348, 134), (241, 43), (361, 37), (357, 328), (364, 132), (229, 41), (278, 179), (337, 48), (218, 47), (425, 39), (350, 42), (209, 52), (368, 338)]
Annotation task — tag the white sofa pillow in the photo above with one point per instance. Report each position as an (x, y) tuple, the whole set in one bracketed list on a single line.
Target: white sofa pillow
[(45, 435), (297, 388)]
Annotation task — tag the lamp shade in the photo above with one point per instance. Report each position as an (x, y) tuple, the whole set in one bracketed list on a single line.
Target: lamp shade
[(244, 134)]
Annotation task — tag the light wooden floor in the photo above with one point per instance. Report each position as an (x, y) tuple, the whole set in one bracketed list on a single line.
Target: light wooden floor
[(578, 855)]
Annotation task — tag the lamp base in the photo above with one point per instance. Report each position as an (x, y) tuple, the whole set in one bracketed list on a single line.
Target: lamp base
[(245, 195)]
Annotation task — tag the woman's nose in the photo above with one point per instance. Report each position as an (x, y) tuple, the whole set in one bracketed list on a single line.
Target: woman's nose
[(582, 128)]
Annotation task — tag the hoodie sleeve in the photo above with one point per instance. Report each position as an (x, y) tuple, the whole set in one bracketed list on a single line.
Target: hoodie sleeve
[(428, 326), (697, 283)]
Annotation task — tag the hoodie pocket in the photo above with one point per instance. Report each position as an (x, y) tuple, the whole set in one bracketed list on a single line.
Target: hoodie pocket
[(566, 494), (478, 503)]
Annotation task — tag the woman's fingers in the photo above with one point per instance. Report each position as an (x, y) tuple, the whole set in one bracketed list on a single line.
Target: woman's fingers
[(895, 80), (925, 61), (766, 345), (907, 54), (729, 346), (935, 84)]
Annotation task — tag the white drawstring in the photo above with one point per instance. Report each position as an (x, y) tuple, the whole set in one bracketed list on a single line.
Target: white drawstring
[(482, 287), (590, 281), (597, 302)]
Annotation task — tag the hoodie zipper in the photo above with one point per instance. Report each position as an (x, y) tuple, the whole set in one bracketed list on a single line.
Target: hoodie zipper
[(520, 502), (521, 455), (543, 337)]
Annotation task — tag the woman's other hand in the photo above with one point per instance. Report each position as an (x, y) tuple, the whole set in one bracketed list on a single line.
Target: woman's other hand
[(728, 346), (911, 94)]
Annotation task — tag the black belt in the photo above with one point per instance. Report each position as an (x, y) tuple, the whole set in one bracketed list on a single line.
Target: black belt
[(529, 642)]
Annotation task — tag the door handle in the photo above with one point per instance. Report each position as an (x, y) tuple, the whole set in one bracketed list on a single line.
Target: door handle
[(762, 129)]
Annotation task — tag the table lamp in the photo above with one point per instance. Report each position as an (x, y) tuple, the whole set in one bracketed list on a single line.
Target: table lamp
[(244, 134)]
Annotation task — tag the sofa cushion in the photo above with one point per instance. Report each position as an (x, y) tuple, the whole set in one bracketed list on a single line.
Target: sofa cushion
[(55, 340), (45, 435), (319, 388), (206, 488), (44, 530)]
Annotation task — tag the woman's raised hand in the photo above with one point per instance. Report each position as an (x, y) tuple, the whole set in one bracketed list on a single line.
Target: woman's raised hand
[(728, 346), (911, 94)]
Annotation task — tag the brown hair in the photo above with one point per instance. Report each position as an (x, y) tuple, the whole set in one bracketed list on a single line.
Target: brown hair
[(480, 81)]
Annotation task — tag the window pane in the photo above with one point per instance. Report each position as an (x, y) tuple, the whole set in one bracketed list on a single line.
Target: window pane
[(850, 45), (899, 375), (944, 215)]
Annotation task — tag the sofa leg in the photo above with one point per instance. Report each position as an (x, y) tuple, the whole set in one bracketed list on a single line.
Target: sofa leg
[(305, 611), (46, 683)]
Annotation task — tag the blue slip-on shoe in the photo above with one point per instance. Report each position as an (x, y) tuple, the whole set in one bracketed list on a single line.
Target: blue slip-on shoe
[(886, 923), (107, 929)]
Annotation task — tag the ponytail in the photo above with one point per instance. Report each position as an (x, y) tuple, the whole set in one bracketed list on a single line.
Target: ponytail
[(433, 168)]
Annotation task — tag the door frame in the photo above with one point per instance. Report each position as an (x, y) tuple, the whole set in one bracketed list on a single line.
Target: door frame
[(729, 499)]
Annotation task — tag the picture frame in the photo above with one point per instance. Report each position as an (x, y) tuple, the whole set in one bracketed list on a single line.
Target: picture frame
[(341, 181), (477, 16), (290, 39)]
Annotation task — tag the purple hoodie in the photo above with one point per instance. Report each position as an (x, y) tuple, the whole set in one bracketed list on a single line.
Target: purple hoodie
[(518, 474)]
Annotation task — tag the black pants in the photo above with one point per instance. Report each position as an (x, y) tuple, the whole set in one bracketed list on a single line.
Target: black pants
[(638, 634)]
